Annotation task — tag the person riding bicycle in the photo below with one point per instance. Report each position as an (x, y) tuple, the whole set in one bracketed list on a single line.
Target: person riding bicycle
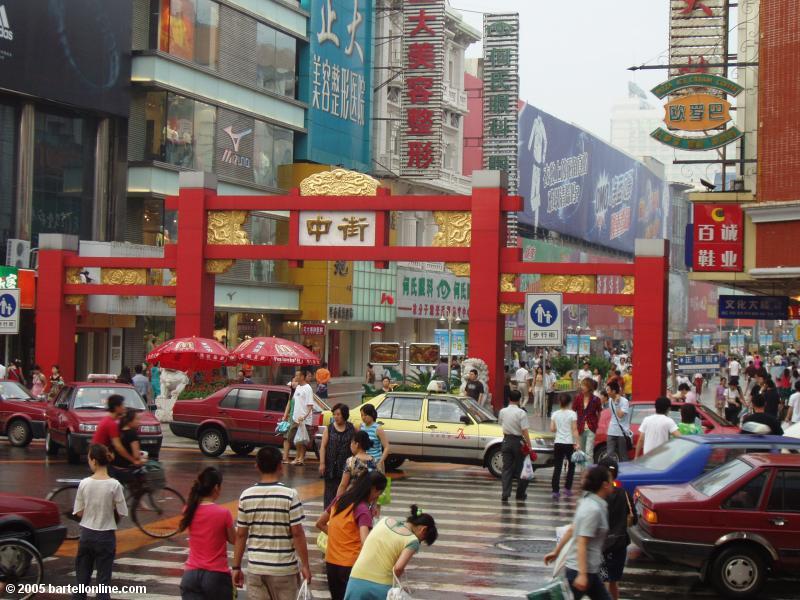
[(123, 469), (107, 432)]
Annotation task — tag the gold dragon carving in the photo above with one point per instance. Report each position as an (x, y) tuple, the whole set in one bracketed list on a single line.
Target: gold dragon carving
[(225, 227), (455, 231), (628, 289), (339, 182), (73, 275), (507, 284), (568, 284)]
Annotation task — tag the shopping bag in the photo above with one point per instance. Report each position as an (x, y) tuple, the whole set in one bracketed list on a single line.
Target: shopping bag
[(282, 427), (322, 542), (398, 590), (560, 562), (301, 437), (386, 495), (579, 457), (305, 591), (558, 589), (527, 469)]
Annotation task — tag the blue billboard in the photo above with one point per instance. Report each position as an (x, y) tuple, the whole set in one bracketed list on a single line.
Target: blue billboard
[(578, 185), (335, 81)]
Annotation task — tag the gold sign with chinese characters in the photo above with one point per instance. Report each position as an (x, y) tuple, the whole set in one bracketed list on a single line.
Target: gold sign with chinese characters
[(337, 228)]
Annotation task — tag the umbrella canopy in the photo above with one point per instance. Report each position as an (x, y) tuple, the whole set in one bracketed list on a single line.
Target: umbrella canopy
[(190, 354), (273, 351)]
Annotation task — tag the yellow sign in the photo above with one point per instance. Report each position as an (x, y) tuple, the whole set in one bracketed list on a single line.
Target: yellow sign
[(697, 112)]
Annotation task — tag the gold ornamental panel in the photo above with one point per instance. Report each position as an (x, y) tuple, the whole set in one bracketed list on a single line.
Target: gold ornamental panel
[(455, 231), (73, 276), (510, 309), (568, 284), (625, 311), (123, 276), (225, 227), (339, 182), (508, 284), (630, 286)]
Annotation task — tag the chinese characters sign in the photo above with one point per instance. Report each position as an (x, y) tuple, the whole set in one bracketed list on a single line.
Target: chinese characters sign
[(423, 67), (312, 329), (337, 228), (698, 36), (697, 112), (501, 94), (431, 295), (335, 82), (753, 307), (718, 237)]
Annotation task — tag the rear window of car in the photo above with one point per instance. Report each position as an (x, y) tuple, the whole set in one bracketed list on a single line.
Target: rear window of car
[(95, 397), (721, 477), (399, 407), (666, 455)]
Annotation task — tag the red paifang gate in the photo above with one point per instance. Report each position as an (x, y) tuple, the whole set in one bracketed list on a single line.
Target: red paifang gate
[(471, 237)]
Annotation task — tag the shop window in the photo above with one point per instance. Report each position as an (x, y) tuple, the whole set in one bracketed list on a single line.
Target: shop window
[(276, 59), (153, 232), (263, 148), (262, 231), (155, 120), (284, 146), (190, 30), (285, 59), (189, 133)]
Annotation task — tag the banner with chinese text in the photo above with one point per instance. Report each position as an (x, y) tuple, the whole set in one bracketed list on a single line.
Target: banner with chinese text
[(431, 295), (718, 243)]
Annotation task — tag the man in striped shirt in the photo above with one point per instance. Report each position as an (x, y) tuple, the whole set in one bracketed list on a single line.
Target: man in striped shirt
[(270, 526)]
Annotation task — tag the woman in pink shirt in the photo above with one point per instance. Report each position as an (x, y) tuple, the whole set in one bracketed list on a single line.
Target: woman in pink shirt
[(210, 526)]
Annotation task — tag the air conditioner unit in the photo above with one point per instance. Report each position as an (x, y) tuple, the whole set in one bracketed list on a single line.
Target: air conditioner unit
[(18, 253)]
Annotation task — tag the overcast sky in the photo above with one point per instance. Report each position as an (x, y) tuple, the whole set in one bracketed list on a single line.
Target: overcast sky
[(574, 54)]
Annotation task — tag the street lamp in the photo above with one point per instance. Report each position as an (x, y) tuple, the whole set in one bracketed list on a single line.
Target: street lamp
[(449, 315)]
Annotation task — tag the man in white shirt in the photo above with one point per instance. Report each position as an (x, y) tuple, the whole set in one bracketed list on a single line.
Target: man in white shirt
[(793, 416), (514, 422), (656, 429), (585, 372), (301, 416), (523, 379), (734, 368)]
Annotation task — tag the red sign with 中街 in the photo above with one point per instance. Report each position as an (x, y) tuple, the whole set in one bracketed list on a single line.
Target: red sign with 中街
[(718, 244)]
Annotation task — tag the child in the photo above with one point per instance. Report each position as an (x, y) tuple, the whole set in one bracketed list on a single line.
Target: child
[(99, 504), (688, 426), (360, 463), (379, 449)]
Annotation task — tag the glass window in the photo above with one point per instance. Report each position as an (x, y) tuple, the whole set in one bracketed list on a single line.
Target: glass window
[(265, 57), (207, 34), (407, 409), (385, 408), (205, 121), (249, 399), (95, 397), (190, 30), (229, 401), (190, 133), (785, 496), (285, 59), (721, 455), (8, 154), (10, 390), (638, 413), (666, 455), (277, 401), (264, 171), (711, 483), (182, 18), (748, 497), (477, 412), (155, 122), (284, 147), (444, 410), (262, 231)]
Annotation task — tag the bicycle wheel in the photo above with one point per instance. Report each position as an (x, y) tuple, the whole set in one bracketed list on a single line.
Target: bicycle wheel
[(158, 512), (64, 497), (20, 565)]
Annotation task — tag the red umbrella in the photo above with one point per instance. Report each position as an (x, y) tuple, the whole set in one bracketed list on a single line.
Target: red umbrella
[(190, 354), (273, 351)]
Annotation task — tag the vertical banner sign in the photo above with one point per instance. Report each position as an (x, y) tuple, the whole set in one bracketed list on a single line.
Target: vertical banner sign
[(423, 66), (501, 94), (698, 36), (718, 238)]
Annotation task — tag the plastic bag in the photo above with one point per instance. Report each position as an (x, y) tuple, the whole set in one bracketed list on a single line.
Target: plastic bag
[(398, 591), (560, 562), (305, 591), (322, 542), (558, 589), (578, 457), (527, 469), (386, 495), (282, 427), (301, 437)]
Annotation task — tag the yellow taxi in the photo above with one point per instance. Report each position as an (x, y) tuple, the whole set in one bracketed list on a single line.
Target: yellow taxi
[(443, 428)]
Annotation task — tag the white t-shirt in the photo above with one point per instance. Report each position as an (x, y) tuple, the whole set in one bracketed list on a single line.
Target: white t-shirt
[(734, 367), (564, 420), (656, 429), (522, 375), (794, 402), (691, 397), (303, 398), (98, 498), (584, 374)]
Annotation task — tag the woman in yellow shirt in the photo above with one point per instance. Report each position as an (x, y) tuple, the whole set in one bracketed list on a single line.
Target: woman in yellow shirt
[(386, 553)]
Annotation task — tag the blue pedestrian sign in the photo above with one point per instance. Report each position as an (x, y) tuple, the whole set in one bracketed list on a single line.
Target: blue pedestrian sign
[(9, 312), (544, 323)]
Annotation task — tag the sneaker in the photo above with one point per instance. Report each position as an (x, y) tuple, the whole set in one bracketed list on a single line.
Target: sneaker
[(555, 495), (567, 492)]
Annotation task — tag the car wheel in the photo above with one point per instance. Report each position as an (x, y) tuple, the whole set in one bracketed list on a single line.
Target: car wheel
[(19, 433), (50, 446), (494, 461), (393, 462), (599, 453), (739, 572), (73, 457), (242, 449), (212, 442)]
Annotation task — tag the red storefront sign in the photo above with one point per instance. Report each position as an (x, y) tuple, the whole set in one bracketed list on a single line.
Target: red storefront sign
[(312, 329), (718, 238)]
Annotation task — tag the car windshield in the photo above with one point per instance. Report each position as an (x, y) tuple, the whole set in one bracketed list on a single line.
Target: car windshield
[(718, 479), (10, 390), (477, 412), (95, 397), (712, 416), (666, 455)]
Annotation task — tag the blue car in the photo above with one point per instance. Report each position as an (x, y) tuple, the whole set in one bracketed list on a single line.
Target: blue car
[(683, 458)]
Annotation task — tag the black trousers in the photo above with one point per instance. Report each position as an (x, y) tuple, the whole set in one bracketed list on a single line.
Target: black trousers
[(338, 577), (199, 584), (331, 485), (563, 452), (512, 465), (96, 550)]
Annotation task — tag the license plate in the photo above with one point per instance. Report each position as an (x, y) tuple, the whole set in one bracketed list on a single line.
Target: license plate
[(150, 442)]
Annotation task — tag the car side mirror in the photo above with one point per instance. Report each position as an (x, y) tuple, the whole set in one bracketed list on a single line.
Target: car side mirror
[(466, 420)]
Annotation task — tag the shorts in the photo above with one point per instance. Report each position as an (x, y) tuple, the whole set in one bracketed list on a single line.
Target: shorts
[(272, 587), (613, 563)]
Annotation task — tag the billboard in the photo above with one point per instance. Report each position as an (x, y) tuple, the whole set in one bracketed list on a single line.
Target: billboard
[(576, 184), (335, 81), (76, 52)]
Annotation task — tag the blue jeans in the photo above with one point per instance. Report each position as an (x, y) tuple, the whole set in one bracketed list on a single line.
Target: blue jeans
[(595, 591)]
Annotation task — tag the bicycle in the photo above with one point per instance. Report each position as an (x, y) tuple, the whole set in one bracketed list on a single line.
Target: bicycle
[(146, 496), (21, 568)]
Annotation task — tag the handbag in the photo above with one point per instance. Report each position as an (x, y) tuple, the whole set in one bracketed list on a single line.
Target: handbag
[(322, 542), (285, 424), (625, 434), (398, 591)]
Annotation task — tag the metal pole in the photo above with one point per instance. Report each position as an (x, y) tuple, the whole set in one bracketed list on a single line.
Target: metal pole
[(449, 341)]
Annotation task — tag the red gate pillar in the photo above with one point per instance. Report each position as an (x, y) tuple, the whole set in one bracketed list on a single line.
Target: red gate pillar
[(486, 324), (650, 314), (194, 306), (56, 321)]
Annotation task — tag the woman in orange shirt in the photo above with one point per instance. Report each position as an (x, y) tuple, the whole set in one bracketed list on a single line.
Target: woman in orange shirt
[(348, 521)]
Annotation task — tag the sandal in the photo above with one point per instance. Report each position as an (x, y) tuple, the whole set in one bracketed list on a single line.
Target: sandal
[(284, 462)]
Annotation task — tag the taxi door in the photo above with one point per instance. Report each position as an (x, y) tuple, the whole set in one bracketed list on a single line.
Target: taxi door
[(401, 419), (448, 431)]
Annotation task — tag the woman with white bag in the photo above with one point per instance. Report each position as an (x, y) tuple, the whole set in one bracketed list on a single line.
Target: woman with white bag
[(386, 554)]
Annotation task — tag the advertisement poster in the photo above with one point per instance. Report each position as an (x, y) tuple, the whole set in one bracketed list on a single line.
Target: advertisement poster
[(458, 337), (423, 355), (384, 353), (576, 184)]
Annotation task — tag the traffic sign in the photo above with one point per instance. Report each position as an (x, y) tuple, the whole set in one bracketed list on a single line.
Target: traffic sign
[(9, 311), (544, 322)]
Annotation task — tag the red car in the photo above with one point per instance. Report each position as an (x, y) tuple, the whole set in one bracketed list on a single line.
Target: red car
[(711, 422), (243, 416), (72, 418), (33, 520), (22, 417), (737, 523)]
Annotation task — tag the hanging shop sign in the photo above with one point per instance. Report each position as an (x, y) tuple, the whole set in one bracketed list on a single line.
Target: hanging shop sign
[(500, 94), (718, 240), (340, 312), (423, 68), (698, 36), (381, 353), (770, 308), (337, 228), (432, 295), (423, 355), (697, 112)]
